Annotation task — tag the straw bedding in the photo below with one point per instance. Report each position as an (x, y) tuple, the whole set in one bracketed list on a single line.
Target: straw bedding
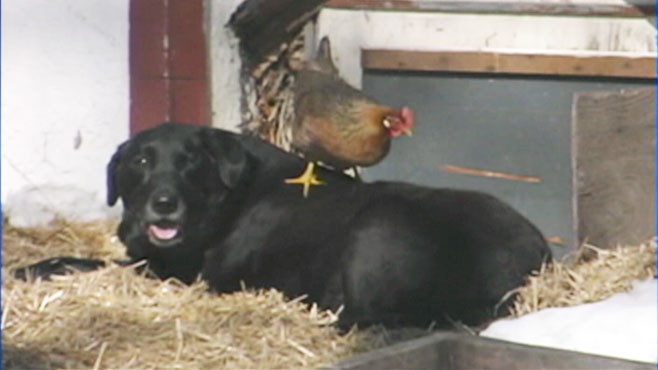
[(590, 274), (115, 318)]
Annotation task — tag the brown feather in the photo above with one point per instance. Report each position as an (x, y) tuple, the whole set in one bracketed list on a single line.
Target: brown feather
[(334, 122)]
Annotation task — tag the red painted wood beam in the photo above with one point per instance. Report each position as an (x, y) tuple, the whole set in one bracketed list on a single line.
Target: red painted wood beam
[(168, 63)]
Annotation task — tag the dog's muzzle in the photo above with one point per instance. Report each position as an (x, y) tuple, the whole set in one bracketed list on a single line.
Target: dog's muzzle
[(164, 217)]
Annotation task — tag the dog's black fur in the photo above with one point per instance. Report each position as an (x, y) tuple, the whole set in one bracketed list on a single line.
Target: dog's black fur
[(392, 253)]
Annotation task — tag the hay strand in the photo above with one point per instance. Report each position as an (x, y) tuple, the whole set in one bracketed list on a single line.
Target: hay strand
[(117, 318), (592, 274)]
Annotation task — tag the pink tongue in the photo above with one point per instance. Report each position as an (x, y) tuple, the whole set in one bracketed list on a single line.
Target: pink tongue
[(163, 233)]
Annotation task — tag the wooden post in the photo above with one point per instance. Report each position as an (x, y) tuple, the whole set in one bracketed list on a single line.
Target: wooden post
[(168, 79), (615, 153)]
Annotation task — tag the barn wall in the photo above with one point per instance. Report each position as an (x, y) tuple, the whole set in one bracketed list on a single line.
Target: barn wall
[(65, 97), (352, 30), (225, 65), (530, 122)]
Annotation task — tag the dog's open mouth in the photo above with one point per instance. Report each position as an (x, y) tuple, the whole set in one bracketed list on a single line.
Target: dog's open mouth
[(164, 235)]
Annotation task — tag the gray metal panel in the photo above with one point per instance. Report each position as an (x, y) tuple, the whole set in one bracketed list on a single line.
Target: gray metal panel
[(449, 350), (512, 124)]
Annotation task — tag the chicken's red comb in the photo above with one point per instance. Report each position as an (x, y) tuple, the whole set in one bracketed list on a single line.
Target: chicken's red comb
[(407, 116)]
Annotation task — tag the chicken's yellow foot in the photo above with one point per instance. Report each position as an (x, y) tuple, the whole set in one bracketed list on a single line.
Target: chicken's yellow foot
[(307, 179)]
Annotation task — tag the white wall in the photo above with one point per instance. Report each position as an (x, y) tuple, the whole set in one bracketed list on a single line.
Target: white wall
[(65, 98), (352, 30), (225, 65)]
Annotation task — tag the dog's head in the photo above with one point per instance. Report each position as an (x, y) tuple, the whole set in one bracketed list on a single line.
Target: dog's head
[(172, 180)]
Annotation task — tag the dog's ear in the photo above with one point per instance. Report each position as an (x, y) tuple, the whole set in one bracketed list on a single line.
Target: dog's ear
[(112, 191), (229, 155)]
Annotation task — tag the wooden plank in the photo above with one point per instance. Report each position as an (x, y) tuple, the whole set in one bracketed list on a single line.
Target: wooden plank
[(187, 41), (614, 145), (147, 30), (187, 58), (189, 101), (168, 80), (263, 25), (640, 9), (516, 63), (149, 92), (149, 103)]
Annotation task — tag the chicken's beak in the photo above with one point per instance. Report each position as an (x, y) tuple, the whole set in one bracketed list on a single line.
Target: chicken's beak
[(388, 124)]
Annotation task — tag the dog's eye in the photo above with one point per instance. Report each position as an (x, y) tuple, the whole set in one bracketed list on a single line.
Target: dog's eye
[(140, 161)]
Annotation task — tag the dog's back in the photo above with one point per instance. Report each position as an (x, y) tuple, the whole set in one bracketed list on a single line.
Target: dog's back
[(391, 252), (431, 253)]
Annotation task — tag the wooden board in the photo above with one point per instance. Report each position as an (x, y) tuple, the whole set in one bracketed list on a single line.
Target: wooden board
[(447, 350), (168, 81), (640, 9), (516, 63), (614, 165)]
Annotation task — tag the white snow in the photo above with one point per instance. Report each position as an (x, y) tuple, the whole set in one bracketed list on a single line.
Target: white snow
[(623, 326), (38, 206)]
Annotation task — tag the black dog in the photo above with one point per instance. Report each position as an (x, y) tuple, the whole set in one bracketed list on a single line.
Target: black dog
[(205, 201)]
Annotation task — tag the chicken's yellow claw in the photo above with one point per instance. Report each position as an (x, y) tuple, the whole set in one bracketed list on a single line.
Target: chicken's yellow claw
[(306, 179)]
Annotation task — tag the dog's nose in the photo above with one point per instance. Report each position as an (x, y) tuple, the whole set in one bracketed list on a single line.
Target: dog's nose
[(164, 204)]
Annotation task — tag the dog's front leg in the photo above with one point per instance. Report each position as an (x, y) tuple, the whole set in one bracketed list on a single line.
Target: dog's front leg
[(60, 266)]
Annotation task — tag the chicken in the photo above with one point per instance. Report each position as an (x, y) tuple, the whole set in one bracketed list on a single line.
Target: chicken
[(337, 124)]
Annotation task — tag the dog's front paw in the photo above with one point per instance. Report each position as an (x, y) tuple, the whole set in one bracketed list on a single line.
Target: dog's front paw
[(56, 266)]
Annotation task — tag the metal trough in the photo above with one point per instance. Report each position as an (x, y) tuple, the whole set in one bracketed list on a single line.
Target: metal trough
[(461, 351)]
